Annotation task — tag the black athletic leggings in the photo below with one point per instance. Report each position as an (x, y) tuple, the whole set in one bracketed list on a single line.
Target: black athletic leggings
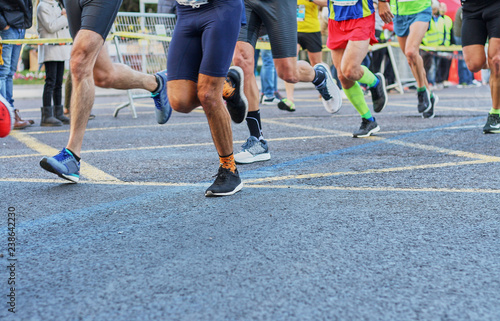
[(52, 91)]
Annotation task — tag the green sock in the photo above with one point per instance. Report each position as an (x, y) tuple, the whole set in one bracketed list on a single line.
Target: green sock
[(368, 77), (421, 89), (495, 111), (356, 97)]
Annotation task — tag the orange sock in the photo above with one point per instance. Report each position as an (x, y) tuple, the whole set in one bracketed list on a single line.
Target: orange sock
[(228, 162)]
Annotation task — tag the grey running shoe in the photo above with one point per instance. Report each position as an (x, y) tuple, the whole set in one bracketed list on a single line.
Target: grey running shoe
[(492, 124), (430, 113), (269, 100), (163, 110), (379, 94), (226, 183), (233, 94), (367, 128), (424, 101), (63, 165), (330, 92), (253, 150)]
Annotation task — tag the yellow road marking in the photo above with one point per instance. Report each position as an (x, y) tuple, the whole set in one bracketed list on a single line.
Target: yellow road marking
[(87, 170), (368, 171), (175, 146), (248, 184), (377, 189), (330, 131), (395, 142), (116, 127)]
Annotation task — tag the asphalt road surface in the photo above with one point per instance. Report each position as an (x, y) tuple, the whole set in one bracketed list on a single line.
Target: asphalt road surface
[(404, 225)]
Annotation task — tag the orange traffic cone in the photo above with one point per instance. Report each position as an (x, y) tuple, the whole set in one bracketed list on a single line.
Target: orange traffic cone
[(453, 76)]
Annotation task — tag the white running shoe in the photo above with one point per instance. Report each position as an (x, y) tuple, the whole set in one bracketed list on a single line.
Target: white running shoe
[(253, 150), (330, 92)]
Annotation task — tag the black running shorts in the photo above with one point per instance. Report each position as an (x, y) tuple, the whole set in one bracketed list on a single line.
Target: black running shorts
[(95, 15), (481, 20), (310, 41), (276, 18)]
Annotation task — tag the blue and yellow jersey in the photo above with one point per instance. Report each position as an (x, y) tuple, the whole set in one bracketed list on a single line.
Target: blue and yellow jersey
[(341, 10)]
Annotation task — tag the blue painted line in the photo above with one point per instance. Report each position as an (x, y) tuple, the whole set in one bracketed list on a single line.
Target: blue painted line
[(88, 212), (328, 156)]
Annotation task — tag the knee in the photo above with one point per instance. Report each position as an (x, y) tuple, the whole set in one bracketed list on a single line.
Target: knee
[(103, 79), (350, 73), (474, 65), (208, 99), (80, 65), (495, 65), (245, 62), (412, 56), (346, 83), (288, 75), (178, 103)]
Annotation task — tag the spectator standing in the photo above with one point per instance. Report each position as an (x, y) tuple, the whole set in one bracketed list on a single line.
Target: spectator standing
[(433, 37), (443, 69), (15, 17), (53, 23), (268, 76)]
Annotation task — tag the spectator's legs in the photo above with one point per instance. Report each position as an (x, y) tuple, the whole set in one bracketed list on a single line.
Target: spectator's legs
[(268, 74)]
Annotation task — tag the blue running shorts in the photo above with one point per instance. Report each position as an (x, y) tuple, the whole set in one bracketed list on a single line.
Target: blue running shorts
[(402, 23), (204, 39)]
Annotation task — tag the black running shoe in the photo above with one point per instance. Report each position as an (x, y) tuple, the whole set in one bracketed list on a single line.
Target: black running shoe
[(287, 105), (424, 101), (233, 94), (226, 183), (492, 124), (367, 128), (379, 94), (430, 113)]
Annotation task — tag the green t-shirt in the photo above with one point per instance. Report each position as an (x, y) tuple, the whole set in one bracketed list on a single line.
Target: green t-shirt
[(408, 7)]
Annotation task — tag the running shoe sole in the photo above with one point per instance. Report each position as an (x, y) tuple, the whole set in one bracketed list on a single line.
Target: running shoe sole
[(374, 130), (382, 81), (283, 106), (234, 191), (242, 96), (245, 159), (46, 166)]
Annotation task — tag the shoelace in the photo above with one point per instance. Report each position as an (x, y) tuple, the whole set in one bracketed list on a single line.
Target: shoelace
[(323, 90), (220, 174), (364, 123), (228, 89), (157, 101), (62, 156)]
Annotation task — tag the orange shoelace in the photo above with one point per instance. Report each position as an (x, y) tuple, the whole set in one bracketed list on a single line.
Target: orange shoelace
[(228, 90)]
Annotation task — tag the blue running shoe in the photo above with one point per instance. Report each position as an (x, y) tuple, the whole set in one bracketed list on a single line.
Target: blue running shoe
[(160, 97), (63, 165)]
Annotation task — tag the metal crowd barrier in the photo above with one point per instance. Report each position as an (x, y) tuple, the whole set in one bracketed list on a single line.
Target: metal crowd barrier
[(141, 41)]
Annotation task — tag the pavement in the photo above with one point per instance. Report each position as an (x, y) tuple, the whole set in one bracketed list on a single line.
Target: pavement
[(403, 225)]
